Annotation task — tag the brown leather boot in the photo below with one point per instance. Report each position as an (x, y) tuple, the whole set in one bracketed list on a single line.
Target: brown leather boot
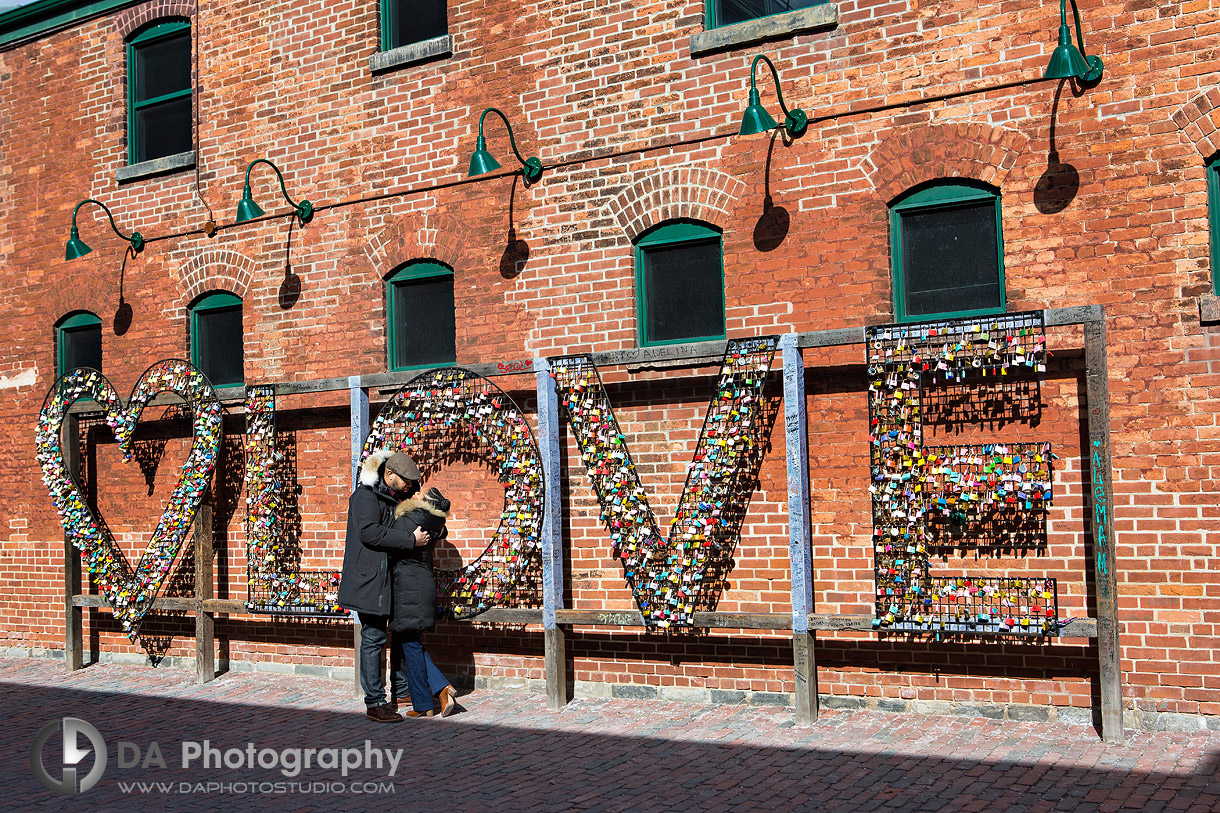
[(412, 713), (383, 714), (448, 698)]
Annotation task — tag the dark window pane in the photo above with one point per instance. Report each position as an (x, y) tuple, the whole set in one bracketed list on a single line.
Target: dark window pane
[(683, 292), (950, 259), (737, 11), (163, 129), (162, 66), (416, 21), (219, 345), (425, 328), (82, 347)]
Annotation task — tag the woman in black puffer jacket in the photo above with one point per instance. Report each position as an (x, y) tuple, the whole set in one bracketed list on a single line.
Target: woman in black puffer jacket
[(414, 604)]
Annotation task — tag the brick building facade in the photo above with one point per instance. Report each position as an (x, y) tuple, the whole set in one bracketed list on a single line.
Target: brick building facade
[(634, 111)]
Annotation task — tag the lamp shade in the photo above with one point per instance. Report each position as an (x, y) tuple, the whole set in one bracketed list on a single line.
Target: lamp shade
[(75, 247), (482, 161), (756, 119), (247, 209), (1066, 60)]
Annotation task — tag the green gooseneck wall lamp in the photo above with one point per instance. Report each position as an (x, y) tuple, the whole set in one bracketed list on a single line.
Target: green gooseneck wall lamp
[(76, 247), (756, 118), (247, 209), (481, 161), (1068, 62)]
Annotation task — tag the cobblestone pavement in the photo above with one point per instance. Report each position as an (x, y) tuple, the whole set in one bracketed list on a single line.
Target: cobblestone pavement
[(507, 752)]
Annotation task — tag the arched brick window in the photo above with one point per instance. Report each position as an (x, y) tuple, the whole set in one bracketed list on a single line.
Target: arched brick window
[(679, 283)]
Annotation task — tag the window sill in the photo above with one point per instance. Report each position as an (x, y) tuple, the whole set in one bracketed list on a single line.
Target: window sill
[(764, 28), (412, 54), (1209, 309), (158, 166)]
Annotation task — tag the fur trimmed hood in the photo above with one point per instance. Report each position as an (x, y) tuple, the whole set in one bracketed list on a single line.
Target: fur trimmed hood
[(411, 503), (370, 469)]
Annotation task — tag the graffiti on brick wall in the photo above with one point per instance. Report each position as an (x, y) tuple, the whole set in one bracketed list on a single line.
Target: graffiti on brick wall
[(671, 577), (929, 498), (129, 590), (454, 414)]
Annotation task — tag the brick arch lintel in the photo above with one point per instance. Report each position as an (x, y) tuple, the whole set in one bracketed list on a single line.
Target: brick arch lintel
[(95, 293), (130, 20), (1199, 121), (425, 235), (909, 156), (690, 192), (215, 269)]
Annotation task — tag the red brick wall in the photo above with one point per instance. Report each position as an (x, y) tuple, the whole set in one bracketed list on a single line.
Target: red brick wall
[(899, 93)]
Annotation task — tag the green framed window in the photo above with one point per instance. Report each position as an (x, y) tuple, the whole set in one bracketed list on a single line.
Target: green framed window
[(1213, 217), (421, 321), (78, 342), (947, 251), (159, 91), (404, 22), (679, 284), (217, 343), (727, 12)]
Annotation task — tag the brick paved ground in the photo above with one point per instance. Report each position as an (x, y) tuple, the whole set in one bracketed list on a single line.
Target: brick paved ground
[(507, 752)]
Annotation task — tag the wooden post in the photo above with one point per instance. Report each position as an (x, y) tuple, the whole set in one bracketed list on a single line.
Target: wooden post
[(74, 620), (556, 664), (555, 657), (796, 449), (205, 622), (1097, 385), (805, 672)]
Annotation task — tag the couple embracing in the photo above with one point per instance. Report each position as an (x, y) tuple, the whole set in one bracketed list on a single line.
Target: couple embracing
[(387, 579)]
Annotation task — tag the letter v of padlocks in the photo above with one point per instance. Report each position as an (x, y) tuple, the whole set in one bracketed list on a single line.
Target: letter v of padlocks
[(670, 578)]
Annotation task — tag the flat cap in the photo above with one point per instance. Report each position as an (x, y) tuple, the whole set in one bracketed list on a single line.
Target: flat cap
[(403, 466)]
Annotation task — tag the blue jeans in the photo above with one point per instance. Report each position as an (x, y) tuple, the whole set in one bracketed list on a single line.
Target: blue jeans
[(373, 637), (423, 679)]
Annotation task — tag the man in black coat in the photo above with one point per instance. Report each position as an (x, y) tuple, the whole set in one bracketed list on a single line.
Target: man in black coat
[(385, 478)]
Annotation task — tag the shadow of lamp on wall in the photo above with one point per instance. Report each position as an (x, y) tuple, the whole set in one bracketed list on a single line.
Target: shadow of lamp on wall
[(516, 251), (774, 222), (1059, 183)]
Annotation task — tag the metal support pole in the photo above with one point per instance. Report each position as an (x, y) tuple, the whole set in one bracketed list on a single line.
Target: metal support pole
[(360, 431), (360, 423), (552, 538), (205, 622), (74, 621), (796, 446), (1097, 385)]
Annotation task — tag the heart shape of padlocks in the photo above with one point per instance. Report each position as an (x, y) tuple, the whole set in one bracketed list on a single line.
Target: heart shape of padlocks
[(129, 591)]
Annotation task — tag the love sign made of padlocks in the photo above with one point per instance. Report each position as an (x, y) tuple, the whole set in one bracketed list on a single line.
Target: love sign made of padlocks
[(448, 413)]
